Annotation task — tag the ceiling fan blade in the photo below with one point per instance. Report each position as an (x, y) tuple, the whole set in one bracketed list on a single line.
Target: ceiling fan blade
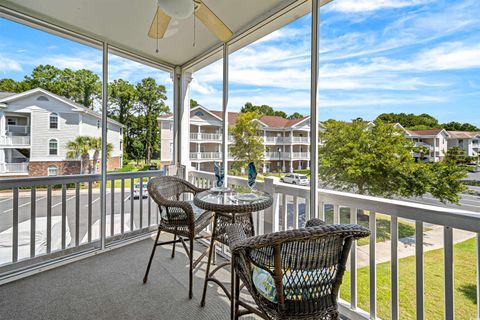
[(212, 22), (159, 24)]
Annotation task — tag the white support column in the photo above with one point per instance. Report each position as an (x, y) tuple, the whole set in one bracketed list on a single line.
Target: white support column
[(3, 124), (181, 123), (103, 184), (225, 114), (314, 109)]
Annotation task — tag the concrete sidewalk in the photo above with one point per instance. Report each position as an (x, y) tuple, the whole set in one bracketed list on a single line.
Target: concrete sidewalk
[(432, 239)]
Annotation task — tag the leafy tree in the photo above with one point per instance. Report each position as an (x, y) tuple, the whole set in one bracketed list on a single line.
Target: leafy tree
[(80, 147), (410, 120), (295, 115), (456, 126), (263, 110), (193, 103), (377, 160), (96, 146), (457, 156), (246, 147), (8, 85), (150, 105), (85, 87)]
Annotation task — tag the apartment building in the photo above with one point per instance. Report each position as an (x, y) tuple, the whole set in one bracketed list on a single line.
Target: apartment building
[(35, 127), (286, 141), (467, 141)]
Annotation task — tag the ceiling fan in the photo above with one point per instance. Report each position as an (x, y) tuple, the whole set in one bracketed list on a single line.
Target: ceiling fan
[(182, 9)]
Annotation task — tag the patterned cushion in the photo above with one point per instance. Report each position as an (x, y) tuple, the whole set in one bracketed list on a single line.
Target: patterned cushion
[(177, 213), (196, 210), (265, 285), (263, 282)]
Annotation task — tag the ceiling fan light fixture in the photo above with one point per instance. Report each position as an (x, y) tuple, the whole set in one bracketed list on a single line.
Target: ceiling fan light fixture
[(179, 9)]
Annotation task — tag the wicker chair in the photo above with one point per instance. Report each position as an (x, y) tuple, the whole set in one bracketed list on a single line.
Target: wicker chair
[(293, 274), (181, 218)]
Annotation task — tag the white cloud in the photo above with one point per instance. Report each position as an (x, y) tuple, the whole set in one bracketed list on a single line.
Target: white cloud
[(8, 64), (354, 6)]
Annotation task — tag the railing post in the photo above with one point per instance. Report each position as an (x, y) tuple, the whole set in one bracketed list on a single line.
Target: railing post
[(103, 183), (270, 220)]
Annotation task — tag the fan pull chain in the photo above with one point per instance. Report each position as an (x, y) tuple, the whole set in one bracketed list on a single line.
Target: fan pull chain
[(194, 29)]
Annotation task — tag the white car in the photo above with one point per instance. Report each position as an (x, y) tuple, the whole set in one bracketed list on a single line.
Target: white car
[(136, 190), (295, 178)]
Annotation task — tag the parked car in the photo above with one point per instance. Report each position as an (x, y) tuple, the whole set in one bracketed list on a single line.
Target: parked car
[(136, 191), (295, 178)]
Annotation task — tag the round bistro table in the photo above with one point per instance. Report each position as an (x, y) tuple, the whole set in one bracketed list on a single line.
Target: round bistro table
[(228, 209)]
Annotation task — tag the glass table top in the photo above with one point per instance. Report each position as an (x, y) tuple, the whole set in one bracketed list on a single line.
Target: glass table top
[(232, 197)]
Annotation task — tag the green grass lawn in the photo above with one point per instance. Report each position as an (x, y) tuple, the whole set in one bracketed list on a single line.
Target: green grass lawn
[(465, 285), (405, 228)]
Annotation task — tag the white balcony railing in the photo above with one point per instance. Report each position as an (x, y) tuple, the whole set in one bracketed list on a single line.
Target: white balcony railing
[(299, 140), (18, 129), (14, 140), (300, 155), (291, 209), (14, 167), (205, 136), (205, 155)]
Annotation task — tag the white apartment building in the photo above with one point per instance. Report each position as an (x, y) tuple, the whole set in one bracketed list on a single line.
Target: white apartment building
[(434, 140), (286, 141), (35, 127), (467, 141)]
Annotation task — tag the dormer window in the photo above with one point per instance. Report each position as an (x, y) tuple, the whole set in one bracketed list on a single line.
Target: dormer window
[(199, 114), (42, 98), (53, 121), (98, 124)]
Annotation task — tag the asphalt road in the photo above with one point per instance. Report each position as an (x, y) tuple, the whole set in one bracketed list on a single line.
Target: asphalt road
[(6, 211)]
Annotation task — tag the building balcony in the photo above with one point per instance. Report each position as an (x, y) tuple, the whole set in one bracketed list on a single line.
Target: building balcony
[(14, 168), (14, 141), (107, 283), (18, 129), (206, 137)]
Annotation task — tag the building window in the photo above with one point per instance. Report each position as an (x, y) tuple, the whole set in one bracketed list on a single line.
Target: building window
[(53, 147), (121, 145), (98, 124), (121, 131), (53, 121), (52, 171), (199, 114), (11, 121), (42, 98)]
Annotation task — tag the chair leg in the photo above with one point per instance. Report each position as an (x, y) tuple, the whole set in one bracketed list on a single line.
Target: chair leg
[(174, 239), (145, 278), (207, 272), (190, 284), (237, 295)]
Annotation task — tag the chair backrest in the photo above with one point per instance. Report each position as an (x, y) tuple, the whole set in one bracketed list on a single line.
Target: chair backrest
[(165, 188), (307, 267), (176, 170)]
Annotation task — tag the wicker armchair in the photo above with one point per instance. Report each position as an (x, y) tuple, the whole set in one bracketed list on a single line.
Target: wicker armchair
[(181, 218), (293, 274)]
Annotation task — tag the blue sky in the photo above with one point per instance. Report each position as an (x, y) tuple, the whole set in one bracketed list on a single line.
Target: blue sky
[(376, 56)]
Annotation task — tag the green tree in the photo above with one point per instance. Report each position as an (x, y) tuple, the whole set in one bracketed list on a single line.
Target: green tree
[(247, 146), (457, 156), (456, 126), (84, 87), (377, 160), (8, 85), (151, 97), (80, 147), (96, 146), (193, 103), (410, 120), (295, 115)]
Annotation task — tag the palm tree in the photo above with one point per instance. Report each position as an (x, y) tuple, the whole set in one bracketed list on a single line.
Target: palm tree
[(96, 145), (80, 147)]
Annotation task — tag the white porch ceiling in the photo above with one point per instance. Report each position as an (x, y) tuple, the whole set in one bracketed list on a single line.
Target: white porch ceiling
[(125, 23)]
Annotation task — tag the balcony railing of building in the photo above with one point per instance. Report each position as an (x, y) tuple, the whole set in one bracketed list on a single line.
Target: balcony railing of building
[(18, 129), (14, 140), (206, 137), (14, 167), (291, 210), (68, 208)]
